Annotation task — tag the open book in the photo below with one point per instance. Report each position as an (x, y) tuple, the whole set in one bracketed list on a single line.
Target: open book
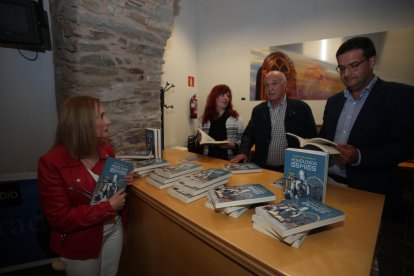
[(316, 143), (207, 139)]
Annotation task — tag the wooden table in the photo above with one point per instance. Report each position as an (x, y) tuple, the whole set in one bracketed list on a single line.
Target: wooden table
[(167, 237), (406, 165)]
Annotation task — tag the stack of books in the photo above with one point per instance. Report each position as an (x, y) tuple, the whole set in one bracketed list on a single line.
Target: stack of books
[(196, 185), (291, 219), (242, 167), (261, 225), (152, 147), (153, 140), (135, 154), (238, 198), (169, 175), (233, 212), (145, 167), (305, 177)]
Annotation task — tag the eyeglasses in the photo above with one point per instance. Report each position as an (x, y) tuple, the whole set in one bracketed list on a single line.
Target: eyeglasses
[(351, 67)]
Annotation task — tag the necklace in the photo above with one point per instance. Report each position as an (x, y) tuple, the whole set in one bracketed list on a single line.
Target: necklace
[(89, 163)]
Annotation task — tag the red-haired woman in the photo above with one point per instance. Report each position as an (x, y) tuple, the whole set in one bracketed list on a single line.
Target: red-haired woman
[(221, 122)]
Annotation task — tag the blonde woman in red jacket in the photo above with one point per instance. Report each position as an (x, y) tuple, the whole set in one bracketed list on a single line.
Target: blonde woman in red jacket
[(89, 238)]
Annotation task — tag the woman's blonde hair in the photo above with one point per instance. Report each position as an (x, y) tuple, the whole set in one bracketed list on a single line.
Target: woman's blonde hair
[(77, 126)]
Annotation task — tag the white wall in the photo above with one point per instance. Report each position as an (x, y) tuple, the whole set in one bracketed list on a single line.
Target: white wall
[(229, 29), (181, 57), (27, 110), (211, 40)]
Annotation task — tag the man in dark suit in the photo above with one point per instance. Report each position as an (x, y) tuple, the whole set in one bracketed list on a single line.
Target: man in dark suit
[(269, 123), (371, 120), (373, 123)]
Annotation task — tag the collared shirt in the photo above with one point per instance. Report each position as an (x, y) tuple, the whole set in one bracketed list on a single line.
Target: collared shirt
[(278, 141), (346, 121)]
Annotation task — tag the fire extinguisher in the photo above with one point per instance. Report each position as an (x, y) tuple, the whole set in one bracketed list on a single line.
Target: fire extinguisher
[(193, 107)]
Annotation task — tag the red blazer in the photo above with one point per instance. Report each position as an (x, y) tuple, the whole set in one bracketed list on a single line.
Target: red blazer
[(65, 188)]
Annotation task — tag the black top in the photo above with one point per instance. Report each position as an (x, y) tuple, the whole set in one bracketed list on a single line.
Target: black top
[(218, 131)]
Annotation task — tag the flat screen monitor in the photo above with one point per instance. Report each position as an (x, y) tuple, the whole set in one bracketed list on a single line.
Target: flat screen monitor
[(22, 25)]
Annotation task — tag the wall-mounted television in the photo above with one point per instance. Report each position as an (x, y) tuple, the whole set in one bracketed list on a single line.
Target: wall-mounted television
[(24, 25)]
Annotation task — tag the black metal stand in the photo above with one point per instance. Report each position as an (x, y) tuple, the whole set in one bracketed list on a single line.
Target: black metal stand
[(162, 105)]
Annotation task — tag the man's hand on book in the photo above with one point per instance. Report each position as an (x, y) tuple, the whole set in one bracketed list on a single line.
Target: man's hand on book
[(239, 158), (348, 154)]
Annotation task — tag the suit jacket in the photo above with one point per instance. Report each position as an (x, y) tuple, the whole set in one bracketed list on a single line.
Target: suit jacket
[(383, 132), (298, 120)]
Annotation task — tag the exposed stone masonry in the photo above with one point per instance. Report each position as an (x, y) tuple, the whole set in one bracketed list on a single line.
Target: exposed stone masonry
[(113, 50)]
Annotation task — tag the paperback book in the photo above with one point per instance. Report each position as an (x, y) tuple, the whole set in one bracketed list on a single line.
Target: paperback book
[(204, 178), (258, 220), (292, 216), (153, 141), (179, 169), (242, 194), (135, 154), (164, 180), (305, 174), (147, 165), (157, 184), (317, 143), (195, 190), (237, 212), (208, 140), (183, 196), (296, 244), (242, 167), (111, 180)]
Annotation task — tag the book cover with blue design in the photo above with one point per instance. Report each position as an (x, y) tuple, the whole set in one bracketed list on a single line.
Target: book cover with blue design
[(305, 174), (111, 179), (148, 165), (242, 194), (242, 167), (204, 178), (178, 169), (135, 154), (292, 216)]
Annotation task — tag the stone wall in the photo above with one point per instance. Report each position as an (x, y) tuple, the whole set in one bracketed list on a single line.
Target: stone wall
[(113, 50)]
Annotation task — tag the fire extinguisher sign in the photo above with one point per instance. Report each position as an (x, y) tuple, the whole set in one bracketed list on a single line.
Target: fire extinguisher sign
[(191, 81)]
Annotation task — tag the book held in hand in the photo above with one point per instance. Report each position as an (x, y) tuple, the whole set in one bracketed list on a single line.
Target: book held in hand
[(292, 216), (242, 194), (242, 167), (316, 143), (207, 139), (111, 180), (305, 174)]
